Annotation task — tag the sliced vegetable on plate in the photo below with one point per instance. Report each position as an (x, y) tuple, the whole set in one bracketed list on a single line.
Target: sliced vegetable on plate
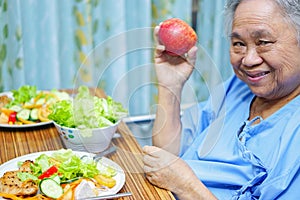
[(62, 174), (28, 106)]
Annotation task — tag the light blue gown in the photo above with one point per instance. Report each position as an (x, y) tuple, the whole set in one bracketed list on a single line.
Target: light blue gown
[(237, 159)]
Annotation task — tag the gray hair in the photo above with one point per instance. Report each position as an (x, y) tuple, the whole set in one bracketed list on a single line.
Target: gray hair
[(290, 8)]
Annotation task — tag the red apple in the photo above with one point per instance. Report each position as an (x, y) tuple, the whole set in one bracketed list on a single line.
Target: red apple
[(177, 36)]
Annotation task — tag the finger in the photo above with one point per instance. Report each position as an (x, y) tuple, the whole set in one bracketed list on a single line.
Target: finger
[(155, 33), (148, 149), (148, 170), (151, 170), (145, 148), (159, 50), (152, 150), (149, 177), (191, 55), (149, 160)]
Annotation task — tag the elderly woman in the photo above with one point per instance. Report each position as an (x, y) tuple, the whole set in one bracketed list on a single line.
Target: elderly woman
[(245, 144)]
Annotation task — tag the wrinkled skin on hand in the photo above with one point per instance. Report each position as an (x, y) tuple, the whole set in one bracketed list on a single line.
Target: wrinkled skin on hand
[(173, 71), (170, 172), (166, 170)]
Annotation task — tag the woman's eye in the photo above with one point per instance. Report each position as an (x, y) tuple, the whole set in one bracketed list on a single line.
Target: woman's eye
[(264, 42), (238, 44)]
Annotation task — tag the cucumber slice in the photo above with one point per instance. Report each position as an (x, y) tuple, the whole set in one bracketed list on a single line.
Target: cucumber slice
[(16, 108), (34, 114), (56, 178), (24, 114), (51, 188)]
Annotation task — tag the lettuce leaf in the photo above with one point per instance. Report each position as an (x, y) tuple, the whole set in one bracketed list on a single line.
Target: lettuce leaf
[(71, 166), (23, 176), (22, 95), (62, 113), (87, 111)]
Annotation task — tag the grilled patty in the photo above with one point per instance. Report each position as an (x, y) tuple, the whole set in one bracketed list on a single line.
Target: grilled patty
[(11, 184)]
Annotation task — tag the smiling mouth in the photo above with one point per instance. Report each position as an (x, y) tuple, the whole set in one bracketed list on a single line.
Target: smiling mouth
[(257, 74)]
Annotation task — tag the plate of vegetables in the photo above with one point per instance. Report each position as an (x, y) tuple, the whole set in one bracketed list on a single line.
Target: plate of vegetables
[(60, 174), (27, 106)]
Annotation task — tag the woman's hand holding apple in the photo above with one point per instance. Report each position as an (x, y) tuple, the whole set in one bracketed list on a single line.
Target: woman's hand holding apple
[(175, 54)]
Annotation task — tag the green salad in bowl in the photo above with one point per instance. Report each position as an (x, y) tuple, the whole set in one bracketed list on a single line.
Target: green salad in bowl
[(87, 111), (87, 122)]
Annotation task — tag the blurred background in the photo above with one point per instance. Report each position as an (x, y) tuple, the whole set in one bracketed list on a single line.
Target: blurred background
[(107, 44)]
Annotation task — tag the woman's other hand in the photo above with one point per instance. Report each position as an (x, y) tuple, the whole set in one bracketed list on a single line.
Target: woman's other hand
[(165, 169), (170, 172)]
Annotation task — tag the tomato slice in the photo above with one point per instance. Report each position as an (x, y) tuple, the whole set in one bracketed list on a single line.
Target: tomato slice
[(12, 118), (49, 172)]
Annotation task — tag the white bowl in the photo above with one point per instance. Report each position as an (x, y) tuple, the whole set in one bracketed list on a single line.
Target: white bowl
[(92, 140)]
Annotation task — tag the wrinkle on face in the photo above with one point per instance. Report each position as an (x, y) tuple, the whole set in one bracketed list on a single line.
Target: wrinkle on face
[(264, 31)]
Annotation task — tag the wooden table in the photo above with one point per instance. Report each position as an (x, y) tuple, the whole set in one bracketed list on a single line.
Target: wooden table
[(21, 141)]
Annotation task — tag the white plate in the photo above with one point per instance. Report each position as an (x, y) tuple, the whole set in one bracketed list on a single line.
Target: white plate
[(25, 125), (10, 95), (119, 177)]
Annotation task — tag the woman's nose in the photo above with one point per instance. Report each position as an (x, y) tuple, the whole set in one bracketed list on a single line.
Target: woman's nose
[(251, 58)]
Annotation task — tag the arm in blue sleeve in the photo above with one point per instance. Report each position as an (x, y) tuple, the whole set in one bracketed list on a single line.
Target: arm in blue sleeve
[(194, 120)]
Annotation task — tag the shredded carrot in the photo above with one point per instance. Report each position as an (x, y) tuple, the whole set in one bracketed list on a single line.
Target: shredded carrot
[(32, 106), (26, 121), (38, 197), (6, 111), (70, 189), (52, 95), (40, 95), (10, 196), (15, 197), (43, 114)]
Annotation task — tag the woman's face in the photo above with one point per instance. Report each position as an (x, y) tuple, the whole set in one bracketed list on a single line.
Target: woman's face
[(264, 51)]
